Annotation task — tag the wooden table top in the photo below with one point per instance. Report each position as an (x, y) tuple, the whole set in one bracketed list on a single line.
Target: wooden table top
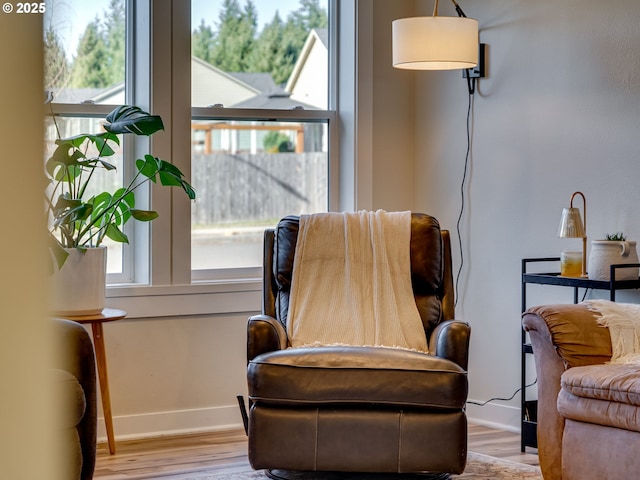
[(107, 315)]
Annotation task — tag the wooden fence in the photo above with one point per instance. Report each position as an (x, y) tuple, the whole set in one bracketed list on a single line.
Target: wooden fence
[(256, 188)]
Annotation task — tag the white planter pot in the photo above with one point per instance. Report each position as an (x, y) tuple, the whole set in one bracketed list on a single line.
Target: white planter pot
[(78, 288), (605, 253)]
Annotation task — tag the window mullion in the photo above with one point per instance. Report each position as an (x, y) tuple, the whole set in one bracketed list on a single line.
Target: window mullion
[(160, 104), (181, 139)]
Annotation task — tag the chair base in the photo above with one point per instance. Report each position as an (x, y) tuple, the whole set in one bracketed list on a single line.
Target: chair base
[(294, 475), (346, 439)]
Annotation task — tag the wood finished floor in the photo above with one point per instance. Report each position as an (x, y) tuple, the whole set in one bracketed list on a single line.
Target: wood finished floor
[(175, 458)]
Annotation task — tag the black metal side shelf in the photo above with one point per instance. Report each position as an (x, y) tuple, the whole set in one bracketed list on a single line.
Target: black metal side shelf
[(528, 415)]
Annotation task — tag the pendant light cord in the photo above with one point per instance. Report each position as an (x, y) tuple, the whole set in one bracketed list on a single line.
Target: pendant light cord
[(462, 195)]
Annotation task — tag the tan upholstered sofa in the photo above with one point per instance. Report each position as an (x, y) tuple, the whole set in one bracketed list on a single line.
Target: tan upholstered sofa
[(588, 410)]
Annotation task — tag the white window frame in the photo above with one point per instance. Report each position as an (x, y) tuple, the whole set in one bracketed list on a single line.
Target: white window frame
[(171, 239), (162, 284), (327, 117), (170, 291)]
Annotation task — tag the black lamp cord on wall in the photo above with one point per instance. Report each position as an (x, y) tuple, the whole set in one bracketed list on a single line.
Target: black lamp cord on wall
[(462, 186), (471, 75)]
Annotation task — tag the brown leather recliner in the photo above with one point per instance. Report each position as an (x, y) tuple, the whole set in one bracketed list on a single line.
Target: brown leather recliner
[(359, 409)]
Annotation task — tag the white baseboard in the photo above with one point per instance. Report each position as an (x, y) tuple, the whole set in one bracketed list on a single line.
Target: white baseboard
[(180, 422), (504, 417)]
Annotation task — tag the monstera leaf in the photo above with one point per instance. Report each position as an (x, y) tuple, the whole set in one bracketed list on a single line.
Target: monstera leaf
[(132, 119)]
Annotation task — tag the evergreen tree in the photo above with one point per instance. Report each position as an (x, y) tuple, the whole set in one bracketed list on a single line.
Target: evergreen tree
[(310, 15), (235, 36), (270, 53), (235, 47), (56, 66), (90, 66), (114, 39), (202, 42)]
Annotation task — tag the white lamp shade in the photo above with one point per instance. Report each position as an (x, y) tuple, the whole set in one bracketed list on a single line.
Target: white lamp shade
[(435, 43), (571, 225)]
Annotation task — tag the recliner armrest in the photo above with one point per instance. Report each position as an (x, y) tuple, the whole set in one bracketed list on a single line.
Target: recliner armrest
[(264, 334), (450, 340)]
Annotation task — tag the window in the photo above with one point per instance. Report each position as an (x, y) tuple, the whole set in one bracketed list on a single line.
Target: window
[(260, 124), (85, 54), (249, 174), (258, 142), (85, 73)]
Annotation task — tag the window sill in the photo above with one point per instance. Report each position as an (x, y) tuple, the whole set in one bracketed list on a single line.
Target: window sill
[(150, 301)]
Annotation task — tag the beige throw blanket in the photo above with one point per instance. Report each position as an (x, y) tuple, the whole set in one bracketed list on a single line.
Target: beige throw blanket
[(623, 321), (351, 282)]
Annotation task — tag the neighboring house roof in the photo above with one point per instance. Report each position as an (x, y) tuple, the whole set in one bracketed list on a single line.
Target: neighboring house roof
[(276, 101), (211, 86), (76, 95), (309, 79), (113, 94), (108, 94), (263, 82), (323, 36)]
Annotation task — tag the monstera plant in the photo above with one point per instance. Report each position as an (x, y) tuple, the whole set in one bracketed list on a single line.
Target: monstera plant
[(80, 221)]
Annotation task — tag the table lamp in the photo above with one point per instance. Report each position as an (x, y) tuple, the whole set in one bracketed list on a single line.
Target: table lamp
[(573, 226)]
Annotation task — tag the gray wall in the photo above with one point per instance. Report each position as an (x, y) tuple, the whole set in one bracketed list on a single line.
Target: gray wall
[(558, 112)]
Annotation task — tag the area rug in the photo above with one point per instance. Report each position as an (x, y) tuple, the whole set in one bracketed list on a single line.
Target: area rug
[(479, 467)]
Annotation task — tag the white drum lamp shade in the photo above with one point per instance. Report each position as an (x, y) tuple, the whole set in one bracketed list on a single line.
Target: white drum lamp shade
[(435, 43)]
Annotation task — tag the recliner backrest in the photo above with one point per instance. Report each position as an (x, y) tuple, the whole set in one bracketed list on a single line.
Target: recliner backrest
[(430, 269)]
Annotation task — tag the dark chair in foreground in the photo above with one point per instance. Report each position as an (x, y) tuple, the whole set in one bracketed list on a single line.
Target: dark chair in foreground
[(359, 409), (74, 394)]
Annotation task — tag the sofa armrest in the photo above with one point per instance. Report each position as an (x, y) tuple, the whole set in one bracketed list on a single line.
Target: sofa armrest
[(562, 336), (574, 332), (264, 334), (450, 340)]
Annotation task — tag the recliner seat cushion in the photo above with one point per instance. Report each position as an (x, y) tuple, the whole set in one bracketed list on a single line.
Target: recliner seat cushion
[(356, 375)]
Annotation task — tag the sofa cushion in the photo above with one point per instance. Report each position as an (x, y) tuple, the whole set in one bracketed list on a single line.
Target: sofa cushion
[(606, 394), (599, 412), (356, 375), (612, 382)]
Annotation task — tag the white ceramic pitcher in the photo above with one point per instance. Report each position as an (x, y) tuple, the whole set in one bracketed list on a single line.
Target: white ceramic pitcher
[(605, 253)]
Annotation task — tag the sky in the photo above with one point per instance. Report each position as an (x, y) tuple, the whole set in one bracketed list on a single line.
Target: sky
[(266, 9), (72, 16)]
